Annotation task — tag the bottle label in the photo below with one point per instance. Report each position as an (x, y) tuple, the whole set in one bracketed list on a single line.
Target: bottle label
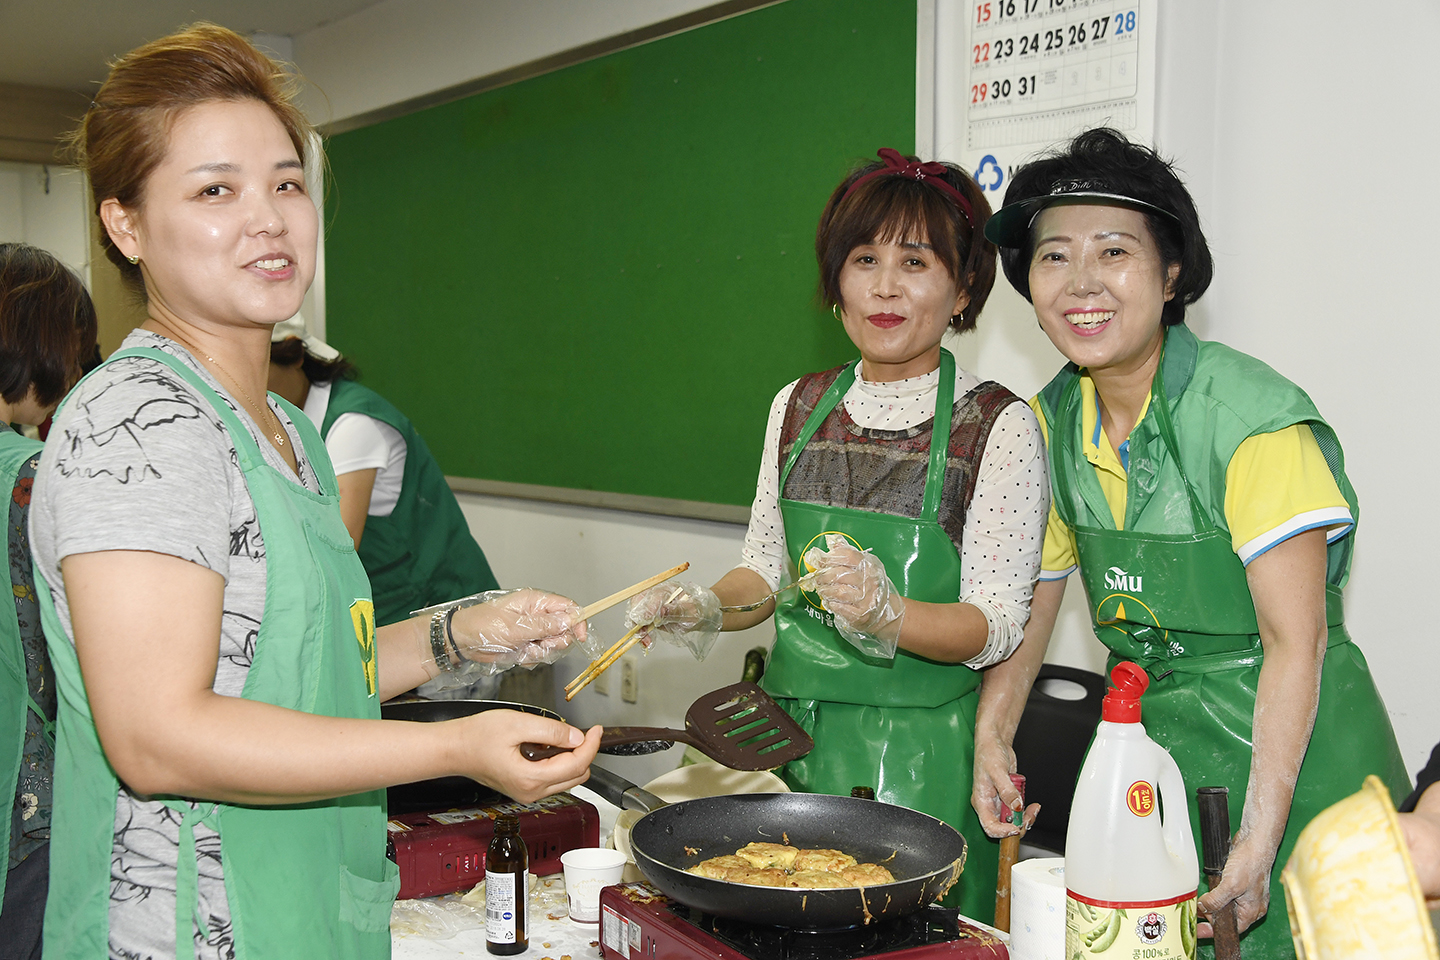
[(1163, 930), (506, 905), (1140, 798)]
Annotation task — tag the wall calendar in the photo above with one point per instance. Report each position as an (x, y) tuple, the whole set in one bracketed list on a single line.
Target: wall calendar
[(1039, 71)]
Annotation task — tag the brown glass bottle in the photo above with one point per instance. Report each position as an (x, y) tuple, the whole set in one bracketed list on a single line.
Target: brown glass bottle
[(507, 890)]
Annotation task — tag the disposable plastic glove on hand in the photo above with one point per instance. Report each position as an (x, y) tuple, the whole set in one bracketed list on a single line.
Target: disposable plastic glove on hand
[(514, 628), (680, 612), (854, 587)]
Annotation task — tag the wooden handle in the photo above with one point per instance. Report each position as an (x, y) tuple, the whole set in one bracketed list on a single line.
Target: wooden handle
[(612, 737), (1227, 937), (628, 592), (1009, 855)]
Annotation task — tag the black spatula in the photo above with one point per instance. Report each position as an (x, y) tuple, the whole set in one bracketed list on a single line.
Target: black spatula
[(738, 726)]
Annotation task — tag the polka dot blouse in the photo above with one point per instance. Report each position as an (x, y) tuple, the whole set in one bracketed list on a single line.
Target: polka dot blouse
[(1004, 529)]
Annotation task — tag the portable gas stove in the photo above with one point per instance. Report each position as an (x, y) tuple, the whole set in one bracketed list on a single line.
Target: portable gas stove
[(443, 851), (638, 922)]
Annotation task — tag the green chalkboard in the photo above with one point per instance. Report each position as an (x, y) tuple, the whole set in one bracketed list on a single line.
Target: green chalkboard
[(599, 278)]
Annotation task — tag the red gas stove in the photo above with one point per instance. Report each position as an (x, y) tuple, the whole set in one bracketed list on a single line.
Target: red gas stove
[(638, 922), (443, 851)]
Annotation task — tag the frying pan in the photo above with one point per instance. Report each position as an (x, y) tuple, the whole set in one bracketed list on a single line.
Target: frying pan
[(454, 792), (926, 855)]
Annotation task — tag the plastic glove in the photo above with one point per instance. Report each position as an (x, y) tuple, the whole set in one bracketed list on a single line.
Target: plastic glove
[(508, 628), (992, 793), (853, 586), (680, 612)]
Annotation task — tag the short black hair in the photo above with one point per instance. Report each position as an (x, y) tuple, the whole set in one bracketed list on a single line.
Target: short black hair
[(1114, 164), (47, 325), (902, 209)]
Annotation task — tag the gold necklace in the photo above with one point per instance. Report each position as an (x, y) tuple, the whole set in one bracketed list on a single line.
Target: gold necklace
[(278, 432)]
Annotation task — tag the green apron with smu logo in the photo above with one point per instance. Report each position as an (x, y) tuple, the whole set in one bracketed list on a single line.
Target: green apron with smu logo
[(1169, 593), (302, 880), (905, 727)]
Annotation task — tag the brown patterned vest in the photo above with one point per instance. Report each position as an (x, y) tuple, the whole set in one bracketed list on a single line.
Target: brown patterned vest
[(883, 471)]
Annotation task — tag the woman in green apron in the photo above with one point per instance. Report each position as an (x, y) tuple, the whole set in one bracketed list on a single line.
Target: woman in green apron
[(1205, 504), (220, 761), (912, 492), (406, 523), (47, 330)]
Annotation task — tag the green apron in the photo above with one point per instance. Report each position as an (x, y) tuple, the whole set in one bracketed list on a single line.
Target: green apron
[(305, 880), (1169, 593), (14, 689), (905, 727), (422, 553)]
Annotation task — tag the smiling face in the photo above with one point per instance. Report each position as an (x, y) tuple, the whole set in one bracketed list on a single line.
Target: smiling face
[(225, 232), (896, 299), (1098, 284)]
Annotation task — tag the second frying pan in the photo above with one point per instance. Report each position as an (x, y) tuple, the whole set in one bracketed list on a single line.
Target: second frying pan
[(455, 792)]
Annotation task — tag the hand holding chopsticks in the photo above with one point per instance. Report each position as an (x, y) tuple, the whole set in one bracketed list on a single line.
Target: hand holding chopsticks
[(601, 663)]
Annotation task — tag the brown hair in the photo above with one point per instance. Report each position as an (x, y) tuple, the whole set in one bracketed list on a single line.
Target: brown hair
[(291, 350), (125, 132), (902, 209), (47, 325)]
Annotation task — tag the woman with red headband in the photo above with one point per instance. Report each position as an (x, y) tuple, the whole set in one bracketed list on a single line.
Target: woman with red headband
[(909, 499)]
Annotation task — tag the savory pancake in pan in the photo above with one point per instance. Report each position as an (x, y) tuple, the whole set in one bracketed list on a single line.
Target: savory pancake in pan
[(832, 860), (867, 874), (817, 878), (781, 865), (762, 855)]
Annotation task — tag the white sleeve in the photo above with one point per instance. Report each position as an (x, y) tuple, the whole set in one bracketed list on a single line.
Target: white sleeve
[(1005, 530), (764, 550), (357, 442)]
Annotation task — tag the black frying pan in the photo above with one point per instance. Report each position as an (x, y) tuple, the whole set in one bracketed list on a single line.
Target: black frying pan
[(444, 793), (925, 855)]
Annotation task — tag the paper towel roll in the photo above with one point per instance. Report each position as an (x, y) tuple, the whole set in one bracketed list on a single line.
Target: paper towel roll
[(1037, 909)]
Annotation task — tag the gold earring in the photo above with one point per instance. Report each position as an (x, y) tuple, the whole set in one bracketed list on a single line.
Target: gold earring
[(133, 260), (835, 309)]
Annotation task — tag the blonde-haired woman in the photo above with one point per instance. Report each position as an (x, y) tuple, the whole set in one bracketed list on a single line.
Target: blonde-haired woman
[(220, 758)]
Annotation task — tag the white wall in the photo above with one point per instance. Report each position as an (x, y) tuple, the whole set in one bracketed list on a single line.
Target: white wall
[(1306, 138), (45, 206)]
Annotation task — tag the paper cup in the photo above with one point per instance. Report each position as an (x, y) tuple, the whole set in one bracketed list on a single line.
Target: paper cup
[(587, 870)]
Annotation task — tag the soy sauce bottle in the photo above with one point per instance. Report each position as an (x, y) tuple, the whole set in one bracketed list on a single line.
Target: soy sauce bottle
[(507, 890)]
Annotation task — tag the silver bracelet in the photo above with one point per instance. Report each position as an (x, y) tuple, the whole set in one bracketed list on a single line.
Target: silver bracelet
[(460, 658), (438, 628)]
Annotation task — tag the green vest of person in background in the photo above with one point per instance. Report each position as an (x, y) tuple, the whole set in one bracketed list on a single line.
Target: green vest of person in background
[(422, 553)]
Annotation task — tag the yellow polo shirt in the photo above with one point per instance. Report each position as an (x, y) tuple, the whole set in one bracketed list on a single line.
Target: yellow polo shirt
[(1277, 485)]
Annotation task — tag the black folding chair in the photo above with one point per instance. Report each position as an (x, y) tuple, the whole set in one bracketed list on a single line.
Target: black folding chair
[(1050, 743)]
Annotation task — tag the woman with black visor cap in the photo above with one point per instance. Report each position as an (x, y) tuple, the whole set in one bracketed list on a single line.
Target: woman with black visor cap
[(1204, 502)]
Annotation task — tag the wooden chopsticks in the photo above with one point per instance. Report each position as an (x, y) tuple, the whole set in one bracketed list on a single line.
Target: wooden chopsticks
[(607, 659), (617, 649), (604, 662), (629, 592)]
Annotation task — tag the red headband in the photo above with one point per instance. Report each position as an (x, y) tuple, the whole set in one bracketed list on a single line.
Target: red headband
[(932, 173)]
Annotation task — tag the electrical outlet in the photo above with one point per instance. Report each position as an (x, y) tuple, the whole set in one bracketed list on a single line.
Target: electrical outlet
[(629, 681), (601, 684)]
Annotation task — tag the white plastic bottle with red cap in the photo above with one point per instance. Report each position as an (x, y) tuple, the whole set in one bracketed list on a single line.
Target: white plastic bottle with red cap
[(1130, 868)]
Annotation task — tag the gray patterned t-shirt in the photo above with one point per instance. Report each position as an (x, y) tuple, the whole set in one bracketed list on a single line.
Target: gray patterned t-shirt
[(137, 460)]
